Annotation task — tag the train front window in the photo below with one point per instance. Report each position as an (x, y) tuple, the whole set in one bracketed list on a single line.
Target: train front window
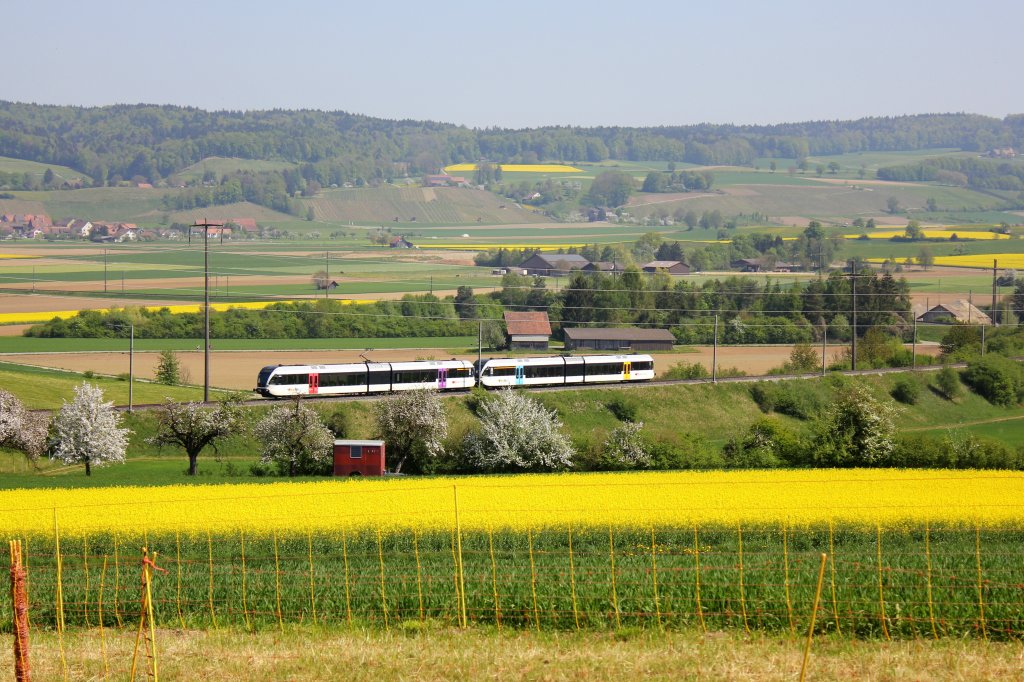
[(264, 376)]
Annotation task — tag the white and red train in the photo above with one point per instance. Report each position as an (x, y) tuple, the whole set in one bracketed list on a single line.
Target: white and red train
[(283, 381)]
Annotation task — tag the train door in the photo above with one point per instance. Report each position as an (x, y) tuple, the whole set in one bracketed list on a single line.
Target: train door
[(314, 384), (626, 366), (442, 378), (520, 375)]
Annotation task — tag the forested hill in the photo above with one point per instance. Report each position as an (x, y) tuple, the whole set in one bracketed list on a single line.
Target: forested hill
[(153, 142)]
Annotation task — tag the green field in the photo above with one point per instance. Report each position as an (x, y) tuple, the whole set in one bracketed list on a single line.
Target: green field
[(61, 173)]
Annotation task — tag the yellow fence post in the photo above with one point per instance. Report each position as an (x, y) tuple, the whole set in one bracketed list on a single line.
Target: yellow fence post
[(814, 616), (177, 592), (419, 573), (312, 587), (928, 563), (103, 638), (117, 585), (654, 578), (615, 595), (881, 594), (785, 563), (60, 595), (348, 598), (209, 554), (85, 568), (832, 565), (981, 584), (533, 580), (245, 598), (383, 596), (696, 573), (459, 566), (743, 595), (494, 578), (277, 582), (572, 582)]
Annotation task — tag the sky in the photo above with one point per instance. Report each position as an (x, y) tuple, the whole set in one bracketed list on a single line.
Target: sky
[(525, 63)]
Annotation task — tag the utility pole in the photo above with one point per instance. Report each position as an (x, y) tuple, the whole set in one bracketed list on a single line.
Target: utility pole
[(824, 347), (479, 343), (206, 302), (131, 364), (327, 276), (995, 263), (714, 355), (914, 346), (104, 271), (853, 279)]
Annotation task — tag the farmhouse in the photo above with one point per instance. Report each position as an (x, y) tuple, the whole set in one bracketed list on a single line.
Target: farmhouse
[(555, 264), (527, 330), (672, 267), (620, 338), (960, 311), (401, 243)]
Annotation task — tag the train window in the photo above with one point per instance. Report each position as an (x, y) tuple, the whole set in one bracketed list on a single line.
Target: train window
[(605, 368), (574, 370), (543, 371), (383, 377), (503, 371), (643, 365)]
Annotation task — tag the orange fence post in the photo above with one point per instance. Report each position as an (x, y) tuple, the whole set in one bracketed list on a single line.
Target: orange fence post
[(981, 584), (459, 566), (615, 596), (103, 638), (277, 582), (785, 562), (60, 595), (419, 572), (117, 585), (533, 580), (654, 578), (19, 602), (177, 563), (85, 568), (312, 587), (209, 550), (245, 599), (832, 565), (383, 597), (344, 553)]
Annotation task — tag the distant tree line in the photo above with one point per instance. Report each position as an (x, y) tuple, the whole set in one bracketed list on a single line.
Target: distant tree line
[(152, 142), (962, 171)]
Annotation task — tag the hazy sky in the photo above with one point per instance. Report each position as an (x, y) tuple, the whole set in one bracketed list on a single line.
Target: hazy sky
[(525, 63)]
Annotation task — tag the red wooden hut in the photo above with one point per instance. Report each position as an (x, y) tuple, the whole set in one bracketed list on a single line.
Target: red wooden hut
[(358, 458)]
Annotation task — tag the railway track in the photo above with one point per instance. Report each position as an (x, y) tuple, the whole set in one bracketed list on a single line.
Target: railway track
[(577, 387)]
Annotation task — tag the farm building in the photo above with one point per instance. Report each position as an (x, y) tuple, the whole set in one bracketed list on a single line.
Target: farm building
[(960, 311), (401, 243), (604, 266), (620, 338), (672, 267), (553, 264), (527, 330), (359, 458)]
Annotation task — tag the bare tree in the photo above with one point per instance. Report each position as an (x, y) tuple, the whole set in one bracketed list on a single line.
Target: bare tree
[(413, 424), (193, 427), (295, 439), (88, 431), (517, 433)]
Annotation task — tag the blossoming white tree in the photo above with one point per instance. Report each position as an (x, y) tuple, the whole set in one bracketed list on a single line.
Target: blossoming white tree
[(517, 433), (88, 431), (625, 444), (413, 424), (192, 427), (21, 429), (295, 439)]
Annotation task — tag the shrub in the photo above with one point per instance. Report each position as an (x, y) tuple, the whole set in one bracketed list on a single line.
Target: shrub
[(858, 430), (767, 444), (624, 409), (997, 379), (947, 382), (168, 368), (906, 390), (681, 370), (786, 398), (339, 422)]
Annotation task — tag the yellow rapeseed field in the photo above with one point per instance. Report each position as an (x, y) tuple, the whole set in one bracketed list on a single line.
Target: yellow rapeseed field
[(983, 260), (516, 168), (45, 316), (857, 497), (459, 246), (14, 255), (930, 234)]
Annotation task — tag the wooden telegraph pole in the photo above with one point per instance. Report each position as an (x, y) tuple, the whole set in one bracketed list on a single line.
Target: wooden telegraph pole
[(206, 225)]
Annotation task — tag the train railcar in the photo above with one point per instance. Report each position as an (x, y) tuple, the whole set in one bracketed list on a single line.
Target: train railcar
[(283, 381), (562, 370)]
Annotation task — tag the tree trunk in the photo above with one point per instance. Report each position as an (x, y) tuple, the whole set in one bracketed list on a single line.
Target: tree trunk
[(193, 463), (398, 466), (88, 470)]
